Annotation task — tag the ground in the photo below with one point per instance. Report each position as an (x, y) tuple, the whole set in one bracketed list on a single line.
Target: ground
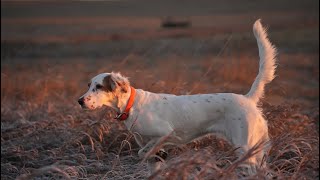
[(49, 52)]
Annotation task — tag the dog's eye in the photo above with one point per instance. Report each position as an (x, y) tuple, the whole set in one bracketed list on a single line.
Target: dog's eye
[(99, 86), (89, 84)]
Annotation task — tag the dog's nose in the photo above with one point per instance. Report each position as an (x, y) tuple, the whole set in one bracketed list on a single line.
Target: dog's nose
[(81, 101)]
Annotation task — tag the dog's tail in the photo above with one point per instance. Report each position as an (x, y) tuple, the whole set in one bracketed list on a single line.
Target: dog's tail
[(267, 66)]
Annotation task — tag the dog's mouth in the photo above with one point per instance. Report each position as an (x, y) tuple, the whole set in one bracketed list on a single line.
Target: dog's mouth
[(84, 107), (88, 108), (83, 104)]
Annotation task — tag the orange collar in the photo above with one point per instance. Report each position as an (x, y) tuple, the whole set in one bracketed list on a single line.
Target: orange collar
[(125, 114)]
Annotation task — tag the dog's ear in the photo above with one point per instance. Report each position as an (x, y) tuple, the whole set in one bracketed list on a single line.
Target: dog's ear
[(115, 81), (108, 84)]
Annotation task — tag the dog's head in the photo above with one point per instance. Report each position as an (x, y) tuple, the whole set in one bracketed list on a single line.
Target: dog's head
[(105, 89)]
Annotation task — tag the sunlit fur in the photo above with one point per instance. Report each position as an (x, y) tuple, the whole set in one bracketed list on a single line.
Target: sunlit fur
[(96, 98), (235, 117), (267, 65)]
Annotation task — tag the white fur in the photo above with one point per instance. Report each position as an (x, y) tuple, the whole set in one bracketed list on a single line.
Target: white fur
[(95, 98), (234, 116), (267, 65)]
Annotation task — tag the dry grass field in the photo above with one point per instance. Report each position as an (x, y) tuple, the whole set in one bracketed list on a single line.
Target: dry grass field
[(49, 51)]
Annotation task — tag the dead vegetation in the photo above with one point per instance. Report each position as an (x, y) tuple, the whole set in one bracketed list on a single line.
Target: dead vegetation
[(44, 134), (46, 63)]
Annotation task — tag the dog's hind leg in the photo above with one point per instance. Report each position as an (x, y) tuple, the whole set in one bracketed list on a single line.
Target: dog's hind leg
[(243, 131)]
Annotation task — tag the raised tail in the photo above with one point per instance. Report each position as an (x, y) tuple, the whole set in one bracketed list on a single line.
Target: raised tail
[(267, 66)]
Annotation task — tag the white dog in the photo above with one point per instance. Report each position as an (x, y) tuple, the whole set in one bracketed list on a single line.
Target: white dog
[(153, 116)]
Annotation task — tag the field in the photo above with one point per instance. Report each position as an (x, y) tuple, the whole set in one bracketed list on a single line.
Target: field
[(50, 50)]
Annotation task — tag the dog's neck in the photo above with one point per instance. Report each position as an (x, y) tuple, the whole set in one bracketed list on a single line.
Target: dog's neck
[(122, 102), (139, 100)]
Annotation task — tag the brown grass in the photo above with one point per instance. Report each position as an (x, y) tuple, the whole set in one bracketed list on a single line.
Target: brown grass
[(45, 134)]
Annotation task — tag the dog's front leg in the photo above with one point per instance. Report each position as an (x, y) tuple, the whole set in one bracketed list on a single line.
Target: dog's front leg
[(154, 164), (143, 151)]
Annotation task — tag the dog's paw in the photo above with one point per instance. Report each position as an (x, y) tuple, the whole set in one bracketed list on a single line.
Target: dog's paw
[(162, 154)]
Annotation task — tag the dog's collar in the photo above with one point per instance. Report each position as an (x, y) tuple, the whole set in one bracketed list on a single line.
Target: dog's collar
[(125, 114)]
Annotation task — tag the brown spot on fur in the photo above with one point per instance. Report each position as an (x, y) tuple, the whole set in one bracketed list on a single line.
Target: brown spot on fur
[(107, 81)]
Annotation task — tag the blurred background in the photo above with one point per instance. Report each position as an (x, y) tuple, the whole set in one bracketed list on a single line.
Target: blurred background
[(174, 41), (51, 49)]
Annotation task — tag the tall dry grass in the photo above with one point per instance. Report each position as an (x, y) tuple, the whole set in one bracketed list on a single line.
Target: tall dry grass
[(44, 134)]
